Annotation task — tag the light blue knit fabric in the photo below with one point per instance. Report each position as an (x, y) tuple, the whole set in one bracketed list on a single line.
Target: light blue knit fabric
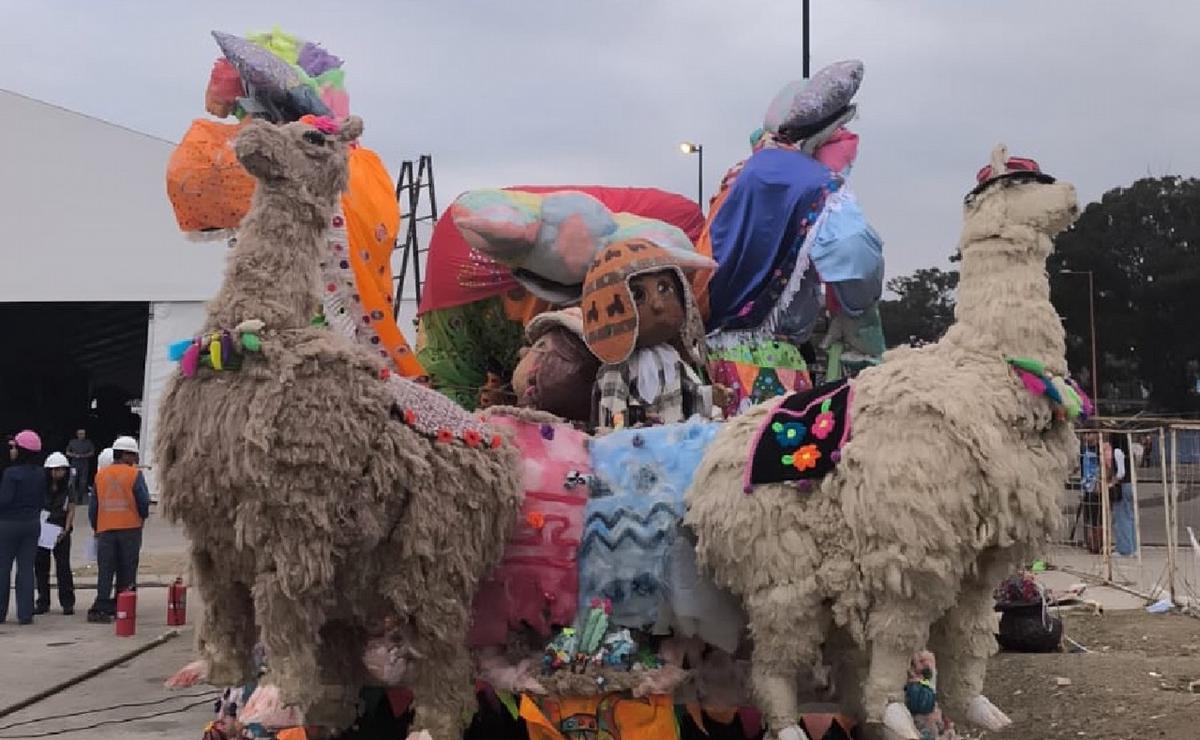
[(631, 521)]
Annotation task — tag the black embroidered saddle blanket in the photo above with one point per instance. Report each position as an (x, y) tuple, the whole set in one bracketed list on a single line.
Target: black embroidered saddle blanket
[(801, 440)]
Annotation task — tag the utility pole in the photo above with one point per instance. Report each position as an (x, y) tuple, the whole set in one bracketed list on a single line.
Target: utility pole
[(804, 36)]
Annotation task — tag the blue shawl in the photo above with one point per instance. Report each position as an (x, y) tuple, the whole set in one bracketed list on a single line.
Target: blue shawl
[(758, 231)]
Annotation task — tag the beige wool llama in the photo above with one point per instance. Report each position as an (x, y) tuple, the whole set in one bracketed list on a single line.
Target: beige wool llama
[(316, 498), (952, 475)]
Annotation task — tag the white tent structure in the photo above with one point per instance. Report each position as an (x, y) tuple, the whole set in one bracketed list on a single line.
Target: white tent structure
[(87, 220)]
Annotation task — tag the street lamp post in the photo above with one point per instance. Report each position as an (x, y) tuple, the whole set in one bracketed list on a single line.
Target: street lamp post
[(804, 35), (688, 147), (1092, 324)]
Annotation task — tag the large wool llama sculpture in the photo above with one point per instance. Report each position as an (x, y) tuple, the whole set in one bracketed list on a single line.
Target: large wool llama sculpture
[(953, 470), (321, 495)]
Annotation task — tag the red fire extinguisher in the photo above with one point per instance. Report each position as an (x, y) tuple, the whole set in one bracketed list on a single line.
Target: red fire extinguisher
[(177, 603), (126, 613)]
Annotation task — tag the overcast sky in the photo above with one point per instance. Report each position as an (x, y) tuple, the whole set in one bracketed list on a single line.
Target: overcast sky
[(509, 92)]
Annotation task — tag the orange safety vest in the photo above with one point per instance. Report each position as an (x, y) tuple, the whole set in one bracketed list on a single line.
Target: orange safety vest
[(116, 503)]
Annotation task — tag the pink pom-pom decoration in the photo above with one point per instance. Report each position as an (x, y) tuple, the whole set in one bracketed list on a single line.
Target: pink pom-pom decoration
[(190, 361)]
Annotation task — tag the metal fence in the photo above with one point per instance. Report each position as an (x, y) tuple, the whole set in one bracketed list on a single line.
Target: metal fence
[(1140, 532)]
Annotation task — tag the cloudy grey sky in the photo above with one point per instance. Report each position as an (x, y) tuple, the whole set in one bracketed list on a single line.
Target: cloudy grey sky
[(602, 91)]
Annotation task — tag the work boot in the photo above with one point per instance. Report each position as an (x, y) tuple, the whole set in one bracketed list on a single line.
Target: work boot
[(100, 617)]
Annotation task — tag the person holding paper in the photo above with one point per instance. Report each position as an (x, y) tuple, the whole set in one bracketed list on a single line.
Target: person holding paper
[(22, 492), (117, 512), (60, 507)]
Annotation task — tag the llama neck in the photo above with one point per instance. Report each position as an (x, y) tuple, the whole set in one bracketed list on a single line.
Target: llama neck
[(273, 273), (1004, 302)]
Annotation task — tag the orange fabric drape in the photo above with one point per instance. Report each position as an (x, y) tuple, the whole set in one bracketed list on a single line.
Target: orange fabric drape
[(610, 716), (372, 222), (208, 187), (704, 247)]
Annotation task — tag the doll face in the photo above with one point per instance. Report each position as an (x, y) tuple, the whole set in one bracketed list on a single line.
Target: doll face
[(658, 297), (555, 375)]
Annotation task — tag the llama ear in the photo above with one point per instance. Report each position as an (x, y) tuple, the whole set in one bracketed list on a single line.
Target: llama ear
[(999, 160), (352, 128), (258, 147)]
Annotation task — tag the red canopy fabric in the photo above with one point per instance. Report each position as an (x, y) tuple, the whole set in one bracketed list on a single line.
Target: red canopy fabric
[(457, 275)]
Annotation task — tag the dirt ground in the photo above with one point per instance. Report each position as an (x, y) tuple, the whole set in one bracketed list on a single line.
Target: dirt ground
[(1136, 682)]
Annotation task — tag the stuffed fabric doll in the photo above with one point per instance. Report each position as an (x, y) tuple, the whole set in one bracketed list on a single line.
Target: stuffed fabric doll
[(555, 372), (641, 320)]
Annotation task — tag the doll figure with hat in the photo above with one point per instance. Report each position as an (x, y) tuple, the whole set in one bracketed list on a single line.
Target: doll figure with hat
[(549, 372), (642, 321), (765, 298), (635, 281)]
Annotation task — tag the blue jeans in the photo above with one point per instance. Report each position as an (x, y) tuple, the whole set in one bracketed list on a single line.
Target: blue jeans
[(18, 542), (1124, 534), (117, 554)]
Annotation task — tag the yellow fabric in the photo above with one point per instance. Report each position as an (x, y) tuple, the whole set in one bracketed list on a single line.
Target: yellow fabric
[(372, 222), (116, 504), (609, 717)]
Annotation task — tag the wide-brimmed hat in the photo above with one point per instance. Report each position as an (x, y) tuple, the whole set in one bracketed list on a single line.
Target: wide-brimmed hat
[(570, 319), (610, 317), (1013, 168), (809, 105)]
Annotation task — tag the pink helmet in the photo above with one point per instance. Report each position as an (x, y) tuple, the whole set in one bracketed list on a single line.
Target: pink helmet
[(28, 440)]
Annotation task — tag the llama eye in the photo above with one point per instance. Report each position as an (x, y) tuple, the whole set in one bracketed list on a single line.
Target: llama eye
[(639, 294), (665, 287), (314, 137)]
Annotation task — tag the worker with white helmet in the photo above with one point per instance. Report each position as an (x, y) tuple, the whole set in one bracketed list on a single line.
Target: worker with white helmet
[(60, 507), (118, 510)]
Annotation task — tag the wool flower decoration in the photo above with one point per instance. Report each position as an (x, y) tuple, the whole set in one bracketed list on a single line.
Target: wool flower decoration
[(445, 436), (472, 438), (536, 519), (823, 425), (789, 435), (804, 458)]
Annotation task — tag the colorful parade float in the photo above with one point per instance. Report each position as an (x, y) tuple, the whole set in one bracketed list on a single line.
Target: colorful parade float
[(646, 475)]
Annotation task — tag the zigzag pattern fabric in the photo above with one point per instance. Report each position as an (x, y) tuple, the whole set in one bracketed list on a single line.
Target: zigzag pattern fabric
[(632, 518)]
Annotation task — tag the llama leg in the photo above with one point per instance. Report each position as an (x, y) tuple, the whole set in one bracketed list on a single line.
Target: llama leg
[(895, 631), (789, 626), (291, 633), (443, 692), (962, 641), (226, 633)]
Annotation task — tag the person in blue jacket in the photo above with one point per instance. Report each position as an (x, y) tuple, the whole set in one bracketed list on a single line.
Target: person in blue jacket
[(22, 494)]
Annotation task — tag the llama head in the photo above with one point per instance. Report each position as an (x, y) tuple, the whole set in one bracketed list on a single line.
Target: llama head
[(306, 159), (1015, 197)]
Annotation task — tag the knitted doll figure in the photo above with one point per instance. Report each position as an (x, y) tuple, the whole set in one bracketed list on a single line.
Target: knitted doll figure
[(556, 370), (641, 320)]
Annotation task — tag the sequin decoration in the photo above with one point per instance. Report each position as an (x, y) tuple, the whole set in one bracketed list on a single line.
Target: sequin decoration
[(433, 415)]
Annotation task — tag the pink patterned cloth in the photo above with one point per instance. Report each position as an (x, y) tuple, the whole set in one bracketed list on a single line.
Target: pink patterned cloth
[(537, 581)]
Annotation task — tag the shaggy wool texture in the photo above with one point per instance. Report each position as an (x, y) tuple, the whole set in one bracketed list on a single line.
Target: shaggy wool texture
[(314, 511), (954, 470)]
